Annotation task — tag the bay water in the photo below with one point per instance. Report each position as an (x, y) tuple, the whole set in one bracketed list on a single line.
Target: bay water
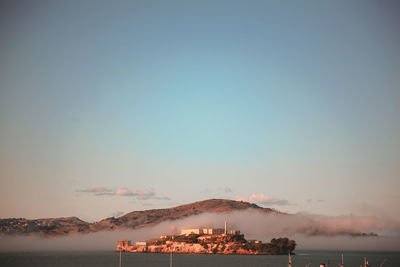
[(111, 259)]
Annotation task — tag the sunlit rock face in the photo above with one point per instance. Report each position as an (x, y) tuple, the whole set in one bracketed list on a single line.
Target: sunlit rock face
[(213, 244)]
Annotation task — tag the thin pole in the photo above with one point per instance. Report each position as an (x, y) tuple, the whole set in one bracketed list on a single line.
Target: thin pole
[(170, 259), (366, 263), (342, 261), (120, 251)]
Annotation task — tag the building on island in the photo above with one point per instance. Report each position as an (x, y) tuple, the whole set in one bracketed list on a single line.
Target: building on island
[(167, 243), (203, 231), (253, 241), (206, 231), (123, 245), (213, 231), (196, 231)]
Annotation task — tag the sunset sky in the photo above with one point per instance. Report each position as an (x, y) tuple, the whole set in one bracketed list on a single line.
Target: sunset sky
[(108, 107)]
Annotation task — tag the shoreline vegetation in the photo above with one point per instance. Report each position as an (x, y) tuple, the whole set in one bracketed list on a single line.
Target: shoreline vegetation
[(209, 244)]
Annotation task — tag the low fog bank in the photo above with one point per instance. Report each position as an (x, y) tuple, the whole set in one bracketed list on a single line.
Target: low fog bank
[(309, 231)]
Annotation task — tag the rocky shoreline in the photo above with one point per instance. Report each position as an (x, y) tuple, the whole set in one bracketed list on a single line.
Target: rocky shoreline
[(209, 244)]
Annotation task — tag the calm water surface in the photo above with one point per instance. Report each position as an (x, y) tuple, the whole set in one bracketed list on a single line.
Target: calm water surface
[(111, 259)]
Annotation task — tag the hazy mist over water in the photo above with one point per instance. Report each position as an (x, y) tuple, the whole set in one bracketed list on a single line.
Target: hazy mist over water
[(309, 231)]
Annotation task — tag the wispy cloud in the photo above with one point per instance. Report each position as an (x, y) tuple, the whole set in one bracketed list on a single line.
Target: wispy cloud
[(96, 190), (138, 194), (145, 194), (310, 200), (227, 190), (263, 200), (104, 191), (215, 192)]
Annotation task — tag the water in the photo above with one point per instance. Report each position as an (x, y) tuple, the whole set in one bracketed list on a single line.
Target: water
[(111, 259)]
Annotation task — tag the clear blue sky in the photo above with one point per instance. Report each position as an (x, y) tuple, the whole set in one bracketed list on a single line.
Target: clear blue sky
[(179, 101)]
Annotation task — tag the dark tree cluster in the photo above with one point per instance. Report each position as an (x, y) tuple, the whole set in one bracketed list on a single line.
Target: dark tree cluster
[(192, 238), (276, 246)]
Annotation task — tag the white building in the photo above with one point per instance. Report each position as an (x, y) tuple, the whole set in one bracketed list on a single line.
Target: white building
[(206, 231), (196, 231), (213, 231), (203, 231)]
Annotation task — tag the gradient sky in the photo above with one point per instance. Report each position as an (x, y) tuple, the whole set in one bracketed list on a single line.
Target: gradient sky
[(112, 106)]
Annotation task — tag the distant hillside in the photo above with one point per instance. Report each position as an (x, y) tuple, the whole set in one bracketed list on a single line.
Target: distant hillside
[(44, 227), (133, 220)]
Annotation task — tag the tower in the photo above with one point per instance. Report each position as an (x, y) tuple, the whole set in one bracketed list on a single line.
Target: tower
[(226, 228)]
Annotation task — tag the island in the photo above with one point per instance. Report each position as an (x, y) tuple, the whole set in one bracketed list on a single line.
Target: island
[(209, 241)]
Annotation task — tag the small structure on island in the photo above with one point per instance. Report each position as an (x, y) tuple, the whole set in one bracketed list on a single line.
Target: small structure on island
[(203, 231), (254, 241), (123, 245), (235, 232), (208, 231), (196, 231)]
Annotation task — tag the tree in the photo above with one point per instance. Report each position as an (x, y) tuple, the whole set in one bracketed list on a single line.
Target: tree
[(291, 245)]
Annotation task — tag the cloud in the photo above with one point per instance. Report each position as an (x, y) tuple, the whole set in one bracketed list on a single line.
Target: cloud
[(123, 192), (138, 194), (96, 190), (216, 192), (310, 200), (263, 199), (144, 194), (104, 191), (227, 190), (105, 194)]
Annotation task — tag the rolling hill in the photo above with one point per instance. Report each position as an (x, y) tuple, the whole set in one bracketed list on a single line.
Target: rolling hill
[(137, 219)]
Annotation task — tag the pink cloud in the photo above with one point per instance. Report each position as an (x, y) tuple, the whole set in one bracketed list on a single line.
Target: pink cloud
[(262, 199), (123, 192), (144, 194)]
